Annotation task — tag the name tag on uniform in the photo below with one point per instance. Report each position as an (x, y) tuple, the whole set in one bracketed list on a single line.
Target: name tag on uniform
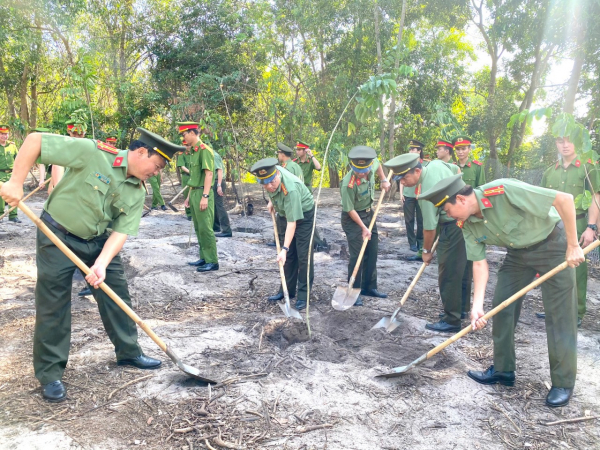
[(102, 178), (481, 239)]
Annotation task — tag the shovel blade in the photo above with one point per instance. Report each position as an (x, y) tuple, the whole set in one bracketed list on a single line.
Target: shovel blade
[(387, 323), (188, 370), (396, 372), (172, 207), (289, 311), (344, 298)]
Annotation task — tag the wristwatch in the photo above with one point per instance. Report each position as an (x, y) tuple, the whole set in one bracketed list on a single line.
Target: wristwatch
[(287, 249), (424, 250), (205, 195), (593, 226)]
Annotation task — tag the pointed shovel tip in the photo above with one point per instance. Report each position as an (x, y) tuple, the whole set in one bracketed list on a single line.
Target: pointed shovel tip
[(397, 372)]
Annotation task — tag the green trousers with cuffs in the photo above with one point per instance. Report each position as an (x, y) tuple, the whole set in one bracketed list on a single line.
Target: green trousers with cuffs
[(52, 335), (366, 278), (560, 305), (157, 199), (203, 224)]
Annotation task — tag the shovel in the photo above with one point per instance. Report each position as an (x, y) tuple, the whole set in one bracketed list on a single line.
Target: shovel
[(25, 198), (390, 324), (285, 307), (345, 297), (170, 204), (398, 371), (188, 370)]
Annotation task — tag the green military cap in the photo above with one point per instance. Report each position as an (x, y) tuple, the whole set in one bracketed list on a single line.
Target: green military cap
[(361, 158), (159, 144), (40, 130), (302, 144), (401, 164), (443, 190), (461, 139), (186, 126), (284, 149), (4, 128), (413, 143), (265, 170)]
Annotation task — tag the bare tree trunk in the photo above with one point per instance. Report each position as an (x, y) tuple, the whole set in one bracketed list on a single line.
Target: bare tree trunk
[(379, 71), (23, 85), (581, 24), (12, 112), (334, 177), (34, 97)]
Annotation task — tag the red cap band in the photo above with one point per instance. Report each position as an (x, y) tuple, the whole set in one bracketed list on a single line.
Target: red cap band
[(447, 144), (301, 145), (183, 128), (4, 130), (70, 127)]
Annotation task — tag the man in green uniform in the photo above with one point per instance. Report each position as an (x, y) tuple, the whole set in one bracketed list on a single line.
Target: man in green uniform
[(411, 209), (308, 163), (8, 152), (444, 150), (295, 208), (111, 139), (358, 193), (103, 184), (157, 198), (538, 228), (569, 175), (221, 221), (284, 155), (452, 257), (183, 163), (201, 198)]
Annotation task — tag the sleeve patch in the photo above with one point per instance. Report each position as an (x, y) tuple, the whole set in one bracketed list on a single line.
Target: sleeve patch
[(494, 191), (107, 148)]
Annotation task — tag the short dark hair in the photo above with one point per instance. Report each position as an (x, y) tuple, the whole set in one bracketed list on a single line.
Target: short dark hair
[(465, 191), (137, 144)]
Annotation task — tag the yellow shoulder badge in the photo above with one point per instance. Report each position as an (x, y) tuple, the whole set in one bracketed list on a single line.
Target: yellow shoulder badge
[(107, 148), (351, 183), (494, 191), (283, 189)]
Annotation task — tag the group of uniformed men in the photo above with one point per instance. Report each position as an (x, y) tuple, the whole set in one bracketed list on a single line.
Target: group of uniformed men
[(538, 226)]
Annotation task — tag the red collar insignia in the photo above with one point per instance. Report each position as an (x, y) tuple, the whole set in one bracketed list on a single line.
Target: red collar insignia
[(469, 164), (485, 202), (118, 161), (461, 223), (577, 163)]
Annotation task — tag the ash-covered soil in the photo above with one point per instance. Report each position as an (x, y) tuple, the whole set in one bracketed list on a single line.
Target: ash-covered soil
[(283, 384)]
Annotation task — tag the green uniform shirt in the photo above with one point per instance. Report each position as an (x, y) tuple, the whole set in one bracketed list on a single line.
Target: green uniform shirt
[(357, 194), (572, 180), (201, 159), (473, 173), (183, 159), (294, 168), (307, 170), (95, 190), (291, 199), (515, 215), (7, 155), (218, 163), (435, 171)]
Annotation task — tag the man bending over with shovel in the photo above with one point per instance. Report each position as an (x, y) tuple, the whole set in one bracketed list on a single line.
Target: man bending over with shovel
[(538, 228), (293, 202), (103, 184)]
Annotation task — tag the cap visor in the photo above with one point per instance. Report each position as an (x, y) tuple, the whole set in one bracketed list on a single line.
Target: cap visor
[(266, 180)]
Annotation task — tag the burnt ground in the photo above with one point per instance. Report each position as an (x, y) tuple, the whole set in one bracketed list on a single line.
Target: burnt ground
[(281, 387)]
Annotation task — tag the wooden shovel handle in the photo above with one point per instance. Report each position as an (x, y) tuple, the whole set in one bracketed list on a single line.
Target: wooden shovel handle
[(26, 197), (281, 271), (177, 195), (86, 270), (366, 240), (508, 301), (419, 273)]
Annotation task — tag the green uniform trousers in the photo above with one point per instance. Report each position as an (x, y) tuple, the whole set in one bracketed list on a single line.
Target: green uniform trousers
[(366, 278), (560, 305), (581, 274), (412, 211), (221, 220), (52, 336), (203, 222), (3, 205), (296, 261), (452, 270), (184, 181), (157, 199)]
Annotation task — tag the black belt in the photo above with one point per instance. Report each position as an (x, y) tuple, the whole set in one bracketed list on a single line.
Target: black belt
[(559, 226), (7, 170), (48, 218), (368, 210), (580, 216)]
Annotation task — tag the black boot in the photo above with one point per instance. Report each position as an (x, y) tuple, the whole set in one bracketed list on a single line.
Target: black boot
[(558, 396), (223, 235), (198, 263), (208, 267), (84, 292), (358, 301), (442, 327), (54, 392), (300, 305), (278, 297), (372, 293), (163, 207), (141, 362), (490, 376)]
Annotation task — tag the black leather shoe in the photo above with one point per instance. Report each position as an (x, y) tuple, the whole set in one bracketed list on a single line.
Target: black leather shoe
[(198, 263), (540, 315), (414, 258), (579, 322), (154, 208), (223, 235), (54, 392), (442, 327), (163, 207), (208, 267), (272, 244), (300, 305), (15, 220), (414, 248), (358, 301), (278, 297), (490, 376), (189, 218), (84, 292), (372, 293), (558, 397), (141, 362)]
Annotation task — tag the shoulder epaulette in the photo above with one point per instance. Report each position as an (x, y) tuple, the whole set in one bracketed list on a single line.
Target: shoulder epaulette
[(107, 148), (479, 163), (351, 183), (285, 191), (497, 190)]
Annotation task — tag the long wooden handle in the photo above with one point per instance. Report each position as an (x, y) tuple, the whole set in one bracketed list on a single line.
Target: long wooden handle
[(366, 240), (508, 301), (177, 196), (25, 198), (86, 270), (281, 271), (419, 273)]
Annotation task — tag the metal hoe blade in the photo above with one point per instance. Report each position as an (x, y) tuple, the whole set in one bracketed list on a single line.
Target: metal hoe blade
[(344, 298), (188, 370), (172, 207)]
